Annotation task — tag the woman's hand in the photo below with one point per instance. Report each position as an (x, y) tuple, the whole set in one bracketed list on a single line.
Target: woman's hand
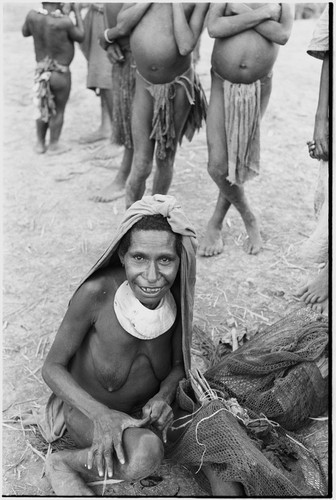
[(160, 414), (107, 437)]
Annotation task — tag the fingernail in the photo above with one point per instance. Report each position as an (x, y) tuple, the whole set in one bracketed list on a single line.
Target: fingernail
[(110, 474), (100, 473)]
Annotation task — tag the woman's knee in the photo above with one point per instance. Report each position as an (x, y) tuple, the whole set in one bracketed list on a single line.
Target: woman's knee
[(145, 452), (217, 170), (141, 168)]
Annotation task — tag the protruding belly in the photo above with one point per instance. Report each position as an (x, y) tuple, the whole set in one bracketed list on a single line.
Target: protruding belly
[(244, 58), (154, 48)]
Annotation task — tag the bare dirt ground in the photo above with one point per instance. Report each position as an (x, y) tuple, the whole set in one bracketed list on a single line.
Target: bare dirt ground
[(53, 233)]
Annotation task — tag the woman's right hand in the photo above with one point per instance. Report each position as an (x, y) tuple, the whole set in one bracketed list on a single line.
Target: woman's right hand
[(108, 431), (114, 53), (274, 10), (321, 140)]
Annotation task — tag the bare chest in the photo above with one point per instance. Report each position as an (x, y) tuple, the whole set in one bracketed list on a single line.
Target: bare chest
[(118, 357)]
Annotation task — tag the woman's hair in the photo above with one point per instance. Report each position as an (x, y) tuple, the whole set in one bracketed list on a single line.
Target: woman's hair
[(154, 222)]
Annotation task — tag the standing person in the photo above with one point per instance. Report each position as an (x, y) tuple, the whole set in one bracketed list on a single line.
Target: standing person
[(54, 35), (123, 77), (169, 101), (315, 293), (99, 78), (247, 40)]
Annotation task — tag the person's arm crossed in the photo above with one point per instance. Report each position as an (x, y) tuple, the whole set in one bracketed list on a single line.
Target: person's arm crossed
[(278, 31), (187, 33), (229, 19), (127, 19)]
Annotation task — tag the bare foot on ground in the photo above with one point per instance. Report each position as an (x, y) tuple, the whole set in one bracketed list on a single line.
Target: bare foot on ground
[(212, 242), (40, 148), (97, 135), (58, 149), (321, 307), (316, 290), (112, 192), (253, 243)]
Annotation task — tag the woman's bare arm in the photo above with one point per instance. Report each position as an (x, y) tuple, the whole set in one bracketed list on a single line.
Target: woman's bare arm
[(278, 31), (186, 32), (226, 20)]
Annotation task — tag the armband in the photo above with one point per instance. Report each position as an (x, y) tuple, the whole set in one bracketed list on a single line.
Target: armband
[(107, 38)]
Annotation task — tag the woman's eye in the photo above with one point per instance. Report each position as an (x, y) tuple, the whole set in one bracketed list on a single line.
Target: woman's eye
[(138, 257)]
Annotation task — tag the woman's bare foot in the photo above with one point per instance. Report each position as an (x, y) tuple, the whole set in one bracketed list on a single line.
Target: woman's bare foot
[(97, 135), (64, 480), (40, 148), (316, 290), (220, 488), (321, 307), (253, 244), (112, 192), (58, 149), (212, 242)]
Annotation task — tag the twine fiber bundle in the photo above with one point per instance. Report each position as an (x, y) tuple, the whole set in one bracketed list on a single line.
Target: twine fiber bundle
[(123, 76), (274, 375)]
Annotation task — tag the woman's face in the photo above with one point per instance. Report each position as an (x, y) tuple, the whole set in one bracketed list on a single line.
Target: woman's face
[(151, 265)]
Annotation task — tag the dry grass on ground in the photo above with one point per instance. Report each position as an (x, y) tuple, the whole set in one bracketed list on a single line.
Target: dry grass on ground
[(54, 233)]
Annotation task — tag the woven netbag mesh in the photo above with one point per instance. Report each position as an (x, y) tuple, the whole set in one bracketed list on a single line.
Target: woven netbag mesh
[(276, 372), (275, 379)]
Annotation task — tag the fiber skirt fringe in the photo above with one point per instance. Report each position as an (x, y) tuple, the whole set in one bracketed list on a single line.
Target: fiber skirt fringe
[(123, 76)]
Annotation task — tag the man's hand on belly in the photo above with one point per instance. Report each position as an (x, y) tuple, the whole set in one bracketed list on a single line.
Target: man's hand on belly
[(108, 429), (160, 414)]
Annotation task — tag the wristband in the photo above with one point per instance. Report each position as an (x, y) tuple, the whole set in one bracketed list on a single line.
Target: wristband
[(107, 38)]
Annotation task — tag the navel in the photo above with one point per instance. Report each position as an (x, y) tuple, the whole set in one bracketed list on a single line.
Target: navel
[(242, 65), (154, 68), (110, 389)]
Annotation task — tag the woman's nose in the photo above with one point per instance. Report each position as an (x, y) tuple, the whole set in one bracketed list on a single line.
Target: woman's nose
[(152, 273)]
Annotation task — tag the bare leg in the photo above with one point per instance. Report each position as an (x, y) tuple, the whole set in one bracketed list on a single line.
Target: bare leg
[(116, 189), (220, 488), (41, 131), (60, 84), (315, 293), (212, 243), (66, 470), (142, 113), (229, 193), (316, 247), (104, 129), (165, 168)]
